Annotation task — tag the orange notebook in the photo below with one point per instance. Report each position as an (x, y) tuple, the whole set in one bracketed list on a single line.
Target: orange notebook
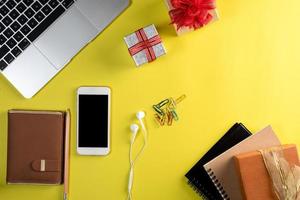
[(254, 178)]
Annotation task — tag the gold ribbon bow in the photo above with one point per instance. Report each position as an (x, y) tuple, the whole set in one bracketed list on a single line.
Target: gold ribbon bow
[(285, 178)]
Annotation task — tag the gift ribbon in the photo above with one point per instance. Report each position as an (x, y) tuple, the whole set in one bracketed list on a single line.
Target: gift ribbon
[(145, 44), (285, 178), (191, 13)]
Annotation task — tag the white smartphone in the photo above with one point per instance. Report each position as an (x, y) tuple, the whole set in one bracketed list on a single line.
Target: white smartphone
[(93, 120)]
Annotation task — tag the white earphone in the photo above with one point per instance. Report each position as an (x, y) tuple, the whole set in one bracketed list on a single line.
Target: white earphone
[(140, 116), (134, 128)]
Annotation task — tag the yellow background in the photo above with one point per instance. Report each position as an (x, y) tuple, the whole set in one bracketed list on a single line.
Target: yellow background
[(244, 67)]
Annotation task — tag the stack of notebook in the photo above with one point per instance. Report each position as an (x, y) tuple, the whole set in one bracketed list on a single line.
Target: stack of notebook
[(215, 175), (198, 177)]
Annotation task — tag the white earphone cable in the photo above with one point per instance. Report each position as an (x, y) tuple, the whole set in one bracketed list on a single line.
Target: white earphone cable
[(133, 161), (144, 131)]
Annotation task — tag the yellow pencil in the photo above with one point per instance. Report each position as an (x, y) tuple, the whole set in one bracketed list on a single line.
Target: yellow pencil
[(67, 154)]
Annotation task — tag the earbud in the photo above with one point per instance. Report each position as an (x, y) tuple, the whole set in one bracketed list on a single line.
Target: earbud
[(134, 128), (140, 115)]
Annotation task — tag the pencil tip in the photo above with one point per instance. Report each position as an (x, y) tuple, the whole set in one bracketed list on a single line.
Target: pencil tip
[(65, 196)]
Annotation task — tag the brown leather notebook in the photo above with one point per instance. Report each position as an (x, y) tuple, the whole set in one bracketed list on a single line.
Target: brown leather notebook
[(35, 147), (254, 177)]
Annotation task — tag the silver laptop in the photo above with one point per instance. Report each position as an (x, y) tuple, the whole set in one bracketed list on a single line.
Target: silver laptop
[(39, 37)]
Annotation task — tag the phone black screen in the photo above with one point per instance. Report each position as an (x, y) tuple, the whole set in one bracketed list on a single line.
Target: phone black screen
[(93, 121)]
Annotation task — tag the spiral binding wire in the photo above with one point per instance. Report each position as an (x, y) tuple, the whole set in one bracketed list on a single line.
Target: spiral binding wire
[(200, 189), (197, 190), (217, 184)]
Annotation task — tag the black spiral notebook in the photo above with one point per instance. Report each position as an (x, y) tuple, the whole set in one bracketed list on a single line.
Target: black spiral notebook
[(198, 178)]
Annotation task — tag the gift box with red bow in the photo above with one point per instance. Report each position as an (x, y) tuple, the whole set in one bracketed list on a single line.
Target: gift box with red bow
[(189, 15), (145, 45)]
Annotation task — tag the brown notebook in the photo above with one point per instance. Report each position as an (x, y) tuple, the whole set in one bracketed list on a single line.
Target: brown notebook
[(35, 147), (254, 177), (222, 168)]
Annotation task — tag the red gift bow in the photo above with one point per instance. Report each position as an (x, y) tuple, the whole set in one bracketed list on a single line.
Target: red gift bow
[(191, 13), (145, 44)]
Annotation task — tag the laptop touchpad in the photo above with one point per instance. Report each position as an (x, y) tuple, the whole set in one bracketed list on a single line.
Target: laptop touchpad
[(66, 37), (101, 12)]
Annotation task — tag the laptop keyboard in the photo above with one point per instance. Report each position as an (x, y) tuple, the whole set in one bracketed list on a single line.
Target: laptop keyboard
[(23, 21)]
